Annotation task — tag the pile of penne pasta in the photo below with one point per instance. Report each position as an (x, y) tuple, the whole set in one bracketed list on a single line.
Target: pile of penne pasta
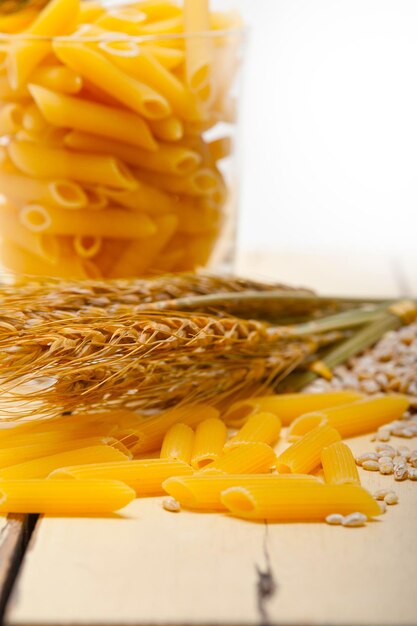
[(96, 463), (114, 124)]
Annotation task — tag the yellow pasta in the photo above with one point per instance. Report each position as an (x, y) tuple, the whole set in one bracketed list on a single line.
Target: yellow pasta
[(44, 162), (64, 497), (253, 458), (68, 111), (57, 78), (90, 10), (151, 431), (44, 246), (33, 119), (203, 181), (178, 443), (168, 57), (145, 477), (21, 454), (304, 456), (298, 501), (169, 26), (143, 198), (339, 464), (261, 427), (198, 49), (170, 129), (363, 416), (112, 223), (159, 9), (122, 20), (198, 216), (140, 254), (98, 70), (203, 491), (11, 118), (220, 148), (169, 159), (58, 17), (87, 246), (288, 406), (210, 437), (41, 467), (18, 20)]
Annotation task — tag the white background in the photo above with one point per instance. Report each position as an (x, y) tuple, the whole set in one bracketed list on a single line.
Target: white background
[(330, 126)]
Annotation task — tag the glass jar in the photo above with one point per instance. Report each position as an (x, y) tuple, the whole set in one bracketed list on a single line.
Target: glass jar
[(118, 133)]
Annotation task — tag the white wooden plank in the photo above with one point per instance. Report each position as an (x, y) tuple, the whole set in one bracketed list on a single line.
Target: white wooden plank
[(367, 276), (154, 567)]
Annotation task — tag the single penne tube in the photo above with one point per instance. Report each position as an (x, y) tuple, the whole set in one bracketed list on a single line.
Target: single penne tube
[(197, 216), (170, 58), (140, 254), (112, 223), (44, 162), (17, 21), (56, 435), (160, 9), (98, 70), (137, 62), (151, 432), (41, 467), (66, 497), (33, 120), (178, 443), (261, 427), (170, 26), (21, 454), (339, 464), (304, 455), (144, 476), (203, 491), (57, 78), (253, 458), (44, 246), (56, 18), (220, 148), (210, 437), (144, 198), (96, 199), (22, 189), (20, 261), (73, 112), (87, 246), (288, 406), (51, 136), (168, 159), (298, 502), (198, 48), (364, 416), (11, 118), (202, 182), (122, 20), (170, 129)]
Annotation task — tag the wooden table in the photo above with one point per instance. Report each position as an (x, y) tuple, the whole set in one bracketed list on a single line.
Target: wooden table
[(149, 566)]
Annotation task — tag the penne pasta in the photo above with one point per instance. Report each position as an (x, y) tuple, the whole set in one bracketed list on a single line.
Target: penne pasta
[(178, 443), (20, 261), (261, 427), (151, 432), (90, 10), (253, 458), (33, 121), (57, 78), (41, 467), (198, 216), (68, 111), (44, 162), (198, 49), (304, 456), (44, 246), (202, 182), (339, 464), (210, 437), (144, 476), (203, 491), (102, 73), (363, 416), (288, 406), (122, 20), (159, 9), (66, 497), (169, 159), (87, 246), (170, 129), (11, 118), (220, 148), (170, 58), (143, 198), (140, 254), (298, 501), (112, 223)]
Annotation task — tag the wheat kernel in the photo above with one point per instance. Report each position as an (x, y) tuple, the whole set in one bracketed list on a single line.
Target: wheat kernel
[(383, 506), (412, 473), (334, 519), (172, 505), (391, 498), (354, 519), (381, 493), (400, 473), (371, 466), (367, 456)]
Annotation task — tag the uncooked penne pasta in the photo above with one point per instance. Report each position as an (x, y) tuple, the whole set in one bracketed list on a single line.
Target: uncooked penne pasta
[(288, 406), (168, 57), (339, 464), (87, 246), (64, 497), (199, 49), (178, 443), (44, 162), (144, 476), (304, 455), (301, 502), (159, 9), (198, 217), (220, 148), (253, 458), (122, 20), (203, 491), (21, 261), (261, 427), (98, 70), (170, 129), (202, 182), (363, 416), (11, 118), (210, 437), (140, 254), (170, 159), (73, 112), (57, 78), (151, 431), (22, 189), (42, 245), (33, 120), (41, 467), (144, 198)]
